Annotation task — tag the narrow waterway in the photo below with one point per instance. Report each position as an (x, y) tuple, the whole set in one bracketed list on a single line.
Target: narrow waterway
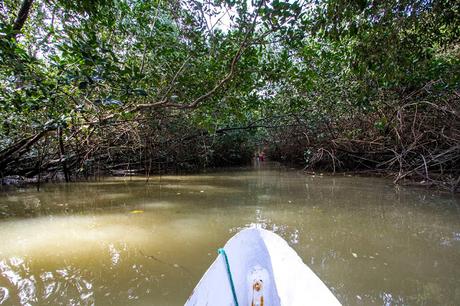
[(125, 241)]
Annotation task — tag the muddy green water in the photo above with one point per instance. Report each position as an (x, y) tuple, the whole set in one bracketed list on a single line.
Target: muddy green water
[(128, 242)]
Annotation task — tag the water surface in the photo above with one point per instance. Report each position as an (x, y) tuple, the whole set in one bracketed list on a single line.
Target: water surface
[(125, 241)]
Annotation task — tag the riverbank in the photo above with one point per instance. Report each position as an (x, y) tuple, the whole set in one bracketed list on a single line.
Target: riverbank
[(23, 182)]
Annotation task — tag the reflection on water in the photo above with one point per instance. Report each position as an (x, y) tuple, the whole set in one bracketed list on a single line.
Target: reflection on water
[(132, 242)]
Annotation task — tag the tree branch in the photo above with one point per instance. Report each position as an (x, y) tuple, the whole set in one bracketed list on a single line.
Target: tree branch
[(22, 16), (244, 44)]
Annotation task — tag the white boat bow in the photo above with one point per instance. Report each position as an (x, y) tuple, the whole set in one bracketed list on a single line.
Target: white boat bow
[(264, 271)]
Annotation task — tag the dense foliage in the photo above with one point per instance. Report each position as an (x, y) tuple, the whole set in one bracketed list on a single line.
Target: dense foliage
[(95, 85)]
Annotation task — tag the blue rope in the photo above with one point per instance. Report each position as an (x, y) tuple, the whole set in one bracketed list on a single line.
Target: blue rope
[(222, 252)]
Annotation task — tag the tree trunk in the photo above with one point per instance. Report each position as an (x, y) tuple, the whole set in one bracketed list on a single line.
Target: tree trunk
[(22, 16), (62, 156)]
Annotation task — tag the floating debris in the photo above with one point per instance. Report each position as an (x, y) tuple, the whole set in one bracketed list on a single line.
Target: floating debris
[(136, 211)]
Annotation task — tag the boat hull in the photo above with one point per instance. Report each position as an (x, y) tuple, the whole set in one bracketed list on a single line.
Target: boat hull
[(264, 270)]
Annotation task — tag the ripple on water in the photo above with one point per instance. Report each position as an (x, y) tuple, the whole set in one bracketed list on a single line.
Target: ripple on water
[(4, 294), (15, 271)]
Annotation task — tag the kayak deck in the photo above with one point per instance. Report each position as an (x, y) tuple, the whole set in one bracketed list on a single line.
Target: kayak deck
[(264, 271)]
